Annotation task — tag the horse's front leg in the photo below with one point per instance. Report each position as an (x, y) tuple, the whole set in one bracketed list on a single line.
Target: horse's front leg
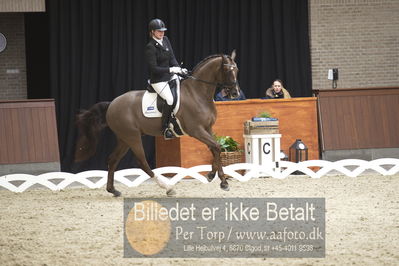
[(211, 175), (217, 165), (207, 138)]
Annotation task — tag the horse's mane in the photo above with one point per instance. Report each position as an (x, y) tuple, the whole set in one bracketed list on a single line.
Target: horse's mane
[(206, 59)]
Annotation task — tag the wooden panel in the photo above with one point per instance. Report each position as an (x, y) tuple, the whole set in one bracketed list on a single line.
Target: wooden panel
[(28, 132), (163, 153), (359, 118), (22, 6), (297, 116)]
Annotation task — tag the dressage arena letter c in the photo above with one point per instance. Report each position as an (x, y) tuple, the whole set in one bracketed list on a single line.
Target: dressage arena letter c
[(264, 148)]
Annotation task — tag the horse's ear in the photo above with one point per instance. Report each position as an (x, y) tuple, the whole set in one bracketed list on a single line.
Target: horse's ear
[(233, 54)]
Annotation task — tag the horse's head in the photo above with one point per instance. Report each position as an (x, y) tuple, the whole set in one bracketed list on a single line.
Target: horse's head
[(220, 71), (229, 76)]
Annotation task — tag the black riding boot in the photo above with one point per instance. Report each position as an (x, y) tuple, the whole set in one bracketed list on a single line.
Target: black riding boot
[(166, 112)]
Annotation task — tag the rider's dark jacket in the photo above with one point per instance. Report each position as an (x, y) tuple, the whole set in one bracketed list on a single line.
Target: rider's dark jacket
[(159, 59)]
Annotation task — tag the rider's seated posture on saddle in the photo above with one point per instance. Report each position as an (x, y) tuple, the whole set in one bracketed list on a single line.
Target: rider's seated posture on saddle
[(162, 68)]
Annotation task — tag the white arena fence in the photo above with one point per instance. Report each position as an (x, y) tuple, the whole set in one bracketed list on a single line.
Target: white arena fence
[(348, 167)]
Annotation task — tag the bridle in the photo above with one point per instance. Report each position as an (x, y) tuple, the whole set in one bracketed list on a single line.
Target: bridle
[(224, 85), (229, 85)]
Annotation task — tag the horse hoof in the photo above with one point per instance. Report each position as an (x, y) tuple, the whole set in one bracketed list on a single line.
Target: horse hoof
[(210, 177), (171, 192), (115, 192), (225, 187)]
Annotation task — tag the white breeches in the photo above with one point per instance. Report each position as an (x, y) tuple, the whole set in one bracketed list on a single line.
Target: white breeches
[(163, 89)]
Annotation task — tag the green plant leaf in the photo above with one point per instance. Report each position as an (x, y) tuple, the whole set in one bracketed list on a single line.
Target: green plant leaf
[(264, 114), (227, 143)]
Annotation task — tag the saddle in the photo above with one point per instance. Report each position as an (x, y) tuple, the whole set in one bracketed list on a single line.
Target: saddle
[(153, 104)]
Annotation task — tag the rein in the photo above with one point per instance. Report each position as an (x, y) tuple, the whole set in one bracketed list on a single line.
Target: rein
[(219, 85)]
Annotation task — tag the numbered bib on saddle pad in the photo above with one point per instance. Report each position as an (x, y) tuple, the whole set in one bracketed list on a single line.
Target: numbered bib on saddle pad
[(150, 105)]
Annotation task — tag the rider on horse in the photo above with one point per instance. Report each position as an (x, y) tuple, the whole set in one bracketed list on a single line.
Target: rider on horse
[(163, 66)]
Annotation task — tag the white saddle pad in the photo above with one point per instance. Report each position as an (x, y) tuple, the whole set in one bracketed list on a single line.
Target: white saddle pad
[(149, 103)]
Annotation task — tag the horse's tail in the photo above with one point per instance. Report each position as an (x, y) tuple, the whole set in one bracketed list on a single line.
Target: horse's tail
[(90, 123)]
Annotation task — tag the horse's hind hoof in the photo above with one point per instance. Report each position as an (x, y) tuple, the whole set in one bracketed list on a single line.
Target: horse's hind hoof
[(115, 192), (225, 187), (171, 193)]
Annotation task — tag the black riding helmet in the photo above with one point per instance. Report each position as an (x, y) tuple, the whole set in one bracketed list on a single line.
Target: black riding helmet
[(156, 24)]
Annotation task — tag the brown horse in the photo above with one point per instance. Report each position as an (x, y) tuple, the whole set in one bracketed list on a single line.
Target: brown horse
[(197, 114)]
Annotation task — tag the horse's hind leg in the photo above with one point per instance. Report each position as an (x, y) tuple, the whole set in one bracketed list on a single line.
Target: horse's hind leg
[(113, 161), (136, 145)]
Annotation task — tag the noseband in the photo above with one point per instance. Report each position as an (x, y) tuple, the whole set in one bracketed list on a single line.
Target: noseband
[(229, 85)]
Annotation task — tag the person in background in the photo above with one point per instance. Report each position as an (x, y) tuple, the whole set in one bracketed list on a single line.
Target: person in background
[(277, 91), (222, 96)]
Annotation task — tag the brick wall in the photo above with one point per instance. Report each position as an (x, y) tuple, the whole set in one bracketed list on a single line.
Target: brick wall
[(359, 37), (12, 59)]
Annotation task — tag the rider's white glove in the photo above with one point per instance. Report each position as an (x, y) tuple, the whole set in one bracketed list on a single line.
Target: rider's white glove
[(176, 70), (184, 71)]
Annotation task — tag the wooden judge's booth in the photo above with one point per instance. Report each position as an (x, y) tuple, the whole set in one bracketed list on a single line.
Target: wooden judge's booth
[(297, 120)]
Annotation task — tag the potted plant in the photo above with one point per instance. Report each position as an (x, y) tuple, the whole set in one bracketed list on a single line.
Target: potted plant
[(231, 153), (264, 114), (262, 123)]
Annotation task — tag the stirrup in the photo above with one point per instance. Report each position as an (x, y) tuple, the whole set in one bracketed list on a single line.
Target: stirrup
[(168, 134)]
